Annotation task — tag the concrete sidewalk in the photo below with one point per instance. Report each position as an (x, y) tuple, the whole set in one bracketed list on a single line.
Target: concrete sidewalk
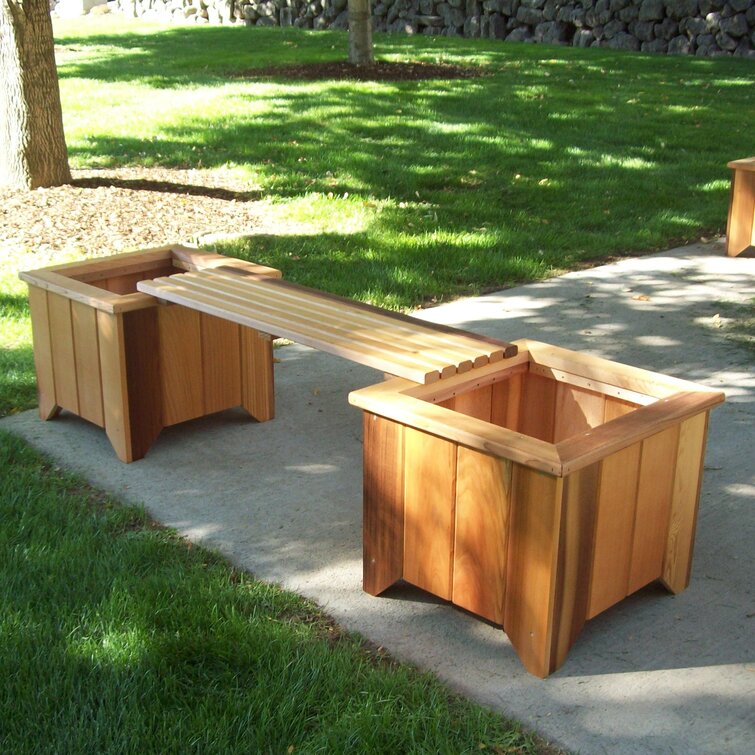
[(654, 674)]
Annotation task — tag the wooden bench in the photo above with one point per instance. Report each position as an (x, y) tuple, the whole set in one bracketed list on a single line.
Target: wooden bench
[(395, 344), (740, 228), (532, 486), (108, 352)]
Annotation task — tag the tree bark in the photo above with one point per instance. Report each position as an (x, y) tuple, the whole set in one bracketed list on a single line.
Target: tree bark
[(32, 143), (360, 33)]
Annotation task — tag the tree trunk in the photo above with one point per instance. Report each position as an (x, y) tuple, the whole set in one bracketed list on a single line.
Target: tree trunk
[(360, 33), (32, 144)]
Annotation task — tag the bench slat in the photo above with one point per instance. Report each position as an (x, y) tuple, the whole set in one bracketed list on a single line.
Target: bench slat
[(506, 348), (427, 332)]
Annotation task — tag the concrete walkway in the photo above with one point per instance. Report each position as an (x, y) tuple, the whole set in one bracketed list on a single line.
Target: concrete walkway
[(654, 674)]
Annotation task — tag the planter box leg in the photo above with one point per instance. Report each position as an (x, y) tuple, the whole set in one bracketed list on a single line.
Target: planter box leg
[(383, 521), (550, 554), (48, 407), (740, 232), (677, 563), (257, 380), (131, 388)]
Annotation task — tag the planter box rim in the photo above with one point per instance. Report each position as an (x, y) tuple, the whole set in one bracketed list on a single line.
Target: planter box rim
[(671, 401), (74, 279)]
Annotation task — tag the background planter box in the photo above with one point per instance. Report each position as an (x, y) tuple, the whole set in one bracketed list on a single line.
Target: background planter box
[(535, 492), (115, 357), (740, 227)]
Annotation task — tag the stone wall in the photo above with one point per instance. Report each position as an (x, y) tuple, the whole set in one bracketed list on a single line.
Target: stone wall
[(686, 27)]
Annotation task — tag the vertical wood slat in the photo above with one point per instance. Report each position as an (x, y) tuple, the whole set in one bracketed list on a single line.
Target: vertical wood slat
[(654, 490), (506, 402), (40, 325), (677, 563), (476, 403), (383, 518), (63, 352), (532, 560), (143, 369), (87, 357), (577, 410), (483, 498), (740, 229), (538, 407), (575, 555), (614, 529), (221, 364), (114, 383), (257, 377), (616, 408), (429, 494), (180, 340)]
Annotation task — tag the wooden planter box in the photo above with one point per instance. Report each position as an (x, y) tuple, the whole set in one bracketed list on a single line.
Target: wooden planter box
[(115, 357), (740, 227), (535, 492)]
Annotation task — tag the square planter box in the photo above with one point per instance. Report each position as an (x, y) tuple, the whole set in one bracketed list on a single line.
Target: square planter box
[(116, 357), (740, 227), (535, 492)]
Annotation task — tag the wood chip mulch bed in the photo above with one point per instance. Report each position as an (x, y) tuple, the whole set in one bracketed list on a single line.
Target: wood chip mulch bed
[(378, 71)]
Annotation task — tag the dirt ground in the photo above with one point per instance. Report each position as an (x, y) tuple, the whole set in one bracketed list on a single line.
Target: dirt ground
[(104, 211), (377, 71)]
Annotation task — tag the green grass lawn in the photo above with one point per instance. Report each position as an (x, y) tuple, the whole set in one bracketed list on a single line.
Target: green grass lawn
[(423, 190), (119, 637), (116, 635)]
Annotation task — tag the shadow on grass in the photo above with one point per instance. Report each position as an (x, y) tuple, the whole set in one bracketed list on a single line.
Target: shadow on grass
[(576, 154), (18, 384), (167, 187), (120, 636), (197, 54), (557, 157)]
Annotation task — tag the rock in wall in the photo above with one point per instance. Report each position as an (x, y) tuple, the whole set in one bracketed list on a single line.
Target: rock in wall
[(706, 28)]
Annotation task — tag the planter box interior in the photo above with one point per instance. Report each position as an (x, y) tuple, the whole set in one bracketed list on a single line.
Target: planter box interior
[(120, 359), (535, 492)]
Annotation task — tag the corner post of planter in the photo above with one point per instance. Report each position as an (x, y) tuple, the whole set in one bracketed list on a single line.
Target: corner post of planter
[(685, 499), (43, 363), (740, 227), (548, 573), (383, 522), (131, 392), (257, 374)]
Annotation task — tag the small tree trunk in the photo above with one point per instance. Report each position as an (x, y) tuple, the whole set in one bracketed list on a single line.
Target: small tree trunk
[(360, 33), (32, 144)]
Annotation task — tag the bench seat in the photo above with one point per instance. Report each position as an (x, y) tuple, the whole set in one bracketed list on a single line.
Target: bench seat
[(393, 343)]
